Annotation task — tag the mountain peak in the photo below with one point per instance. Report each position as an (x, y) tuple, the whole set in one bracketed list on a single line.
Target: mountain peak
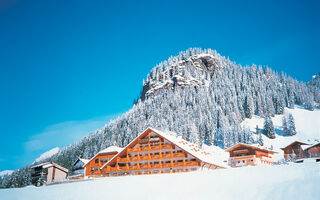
[(193, 67)]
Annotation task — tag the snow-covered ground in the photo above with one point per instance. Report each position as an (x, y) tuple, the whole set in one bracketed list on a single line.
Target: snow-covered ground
[(307, 126), (294, 181)]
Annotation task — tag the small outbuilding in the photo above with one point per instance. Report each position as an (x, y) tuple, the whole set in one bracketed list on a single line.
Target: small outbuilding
[(47, 172)]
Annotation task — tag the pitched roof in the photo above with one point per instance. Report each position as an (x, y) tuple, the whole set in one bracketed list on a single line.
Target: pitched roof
[(292, 143), (191, 148), (85, 161), (51, 164), (310, 146), (254, 146), (110, 149)]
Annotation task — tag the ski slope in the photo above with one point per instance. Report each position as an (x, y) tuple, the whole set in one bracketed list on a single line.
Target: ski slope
[(307, 126), (293, 181)]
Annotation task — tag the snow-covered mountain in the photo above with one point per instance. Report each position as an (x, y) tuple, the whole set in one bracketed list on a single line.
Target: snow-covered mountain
[(47, 154), (182, 71), (199, 92)]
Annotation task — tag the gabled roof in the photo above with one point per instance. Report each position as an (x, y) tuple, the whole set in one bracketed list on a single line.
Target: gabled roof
[(258, 147), (295, 142), (51, 164), (181, 143), (111, 149), (310, 146), (85, 161)]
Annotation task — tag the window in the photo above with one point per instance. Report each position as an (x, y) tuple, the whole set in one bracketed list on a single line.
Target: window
[(103, 160), (96, 161)]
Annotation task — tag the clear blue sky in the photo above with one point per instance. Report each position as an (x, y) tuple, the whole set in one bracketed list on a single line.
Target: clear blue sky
[(67, 67)]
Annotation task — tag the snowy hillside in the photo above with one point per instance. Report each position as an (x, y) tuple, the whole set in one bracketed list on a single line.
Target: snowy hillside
[(307, 126), (48, 154), (6, 172), (294, 181)]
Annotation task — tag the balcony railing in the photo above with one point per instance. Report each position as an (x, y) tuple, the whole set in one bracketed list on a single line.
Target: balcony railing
[(153, 166), (149, 148), (151, 157)]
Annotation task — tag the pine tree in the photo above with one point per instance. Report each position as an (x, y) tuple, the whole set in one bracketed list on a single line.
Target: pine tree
[(249, 107), (259, 137), (291, 125), (285, 129), (268, 128)]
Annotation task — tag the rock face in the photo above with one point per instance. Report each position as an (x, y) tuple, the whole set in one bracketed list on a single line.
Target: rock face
[(195, 71)]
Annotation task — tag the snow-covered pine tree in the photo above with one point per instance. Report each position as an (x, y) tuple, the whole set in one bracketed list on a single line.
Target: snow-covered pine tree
[(249, 106), (285, 129), (268, 128), (291, 125), (259, 137)]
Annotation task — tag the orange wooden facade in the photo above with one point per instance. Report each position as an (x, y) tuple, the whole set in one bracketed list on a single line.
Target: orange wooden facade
[(243, 155), (92, 168), (151, 153)]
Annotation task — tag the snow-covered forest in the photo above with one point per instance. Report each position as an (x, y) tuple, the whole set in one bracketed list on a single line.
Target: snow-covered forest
[(202, 96)]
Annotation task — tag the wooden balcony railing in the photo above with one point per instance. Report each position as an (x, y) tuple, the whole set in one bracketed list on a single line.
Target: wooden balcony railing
[(151, 157), (153, 166), (148, 148)]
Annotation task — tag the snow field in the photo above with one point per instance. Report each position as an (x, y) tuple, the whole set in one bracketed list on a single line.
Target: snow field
[(294, 181)]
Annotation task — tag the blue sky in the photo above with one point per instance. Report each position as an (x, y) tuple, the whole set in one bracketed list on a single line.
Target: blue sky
[(67, 67)]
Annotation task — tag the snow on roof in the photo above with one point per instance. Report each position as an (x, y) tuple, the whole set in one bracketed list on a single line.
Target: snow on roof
[(305, 146), (111, 149), (302, 143), (106, 150), (50, 164), (191, 148), (85, 161), (257, 146), (312, 145)]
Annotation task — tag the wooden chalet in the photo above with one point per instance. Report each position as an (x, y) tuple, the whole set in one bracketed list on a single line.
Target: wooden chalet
[(295, 150), (244, 155), (47, 172), (78, 169), (92, 167), (155, 152), (313, 151)]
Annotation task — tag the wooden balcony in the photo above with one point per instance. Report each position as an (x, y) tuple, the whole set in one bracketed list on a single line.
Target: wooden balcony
[(151, 157), (153, 166), (148, 148)]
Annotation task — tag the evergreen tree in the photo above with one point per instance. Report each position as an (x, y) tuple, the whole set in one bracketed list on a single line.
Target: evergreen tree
[(285, 129), (291, 125), (268, 128), (259, 137)]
